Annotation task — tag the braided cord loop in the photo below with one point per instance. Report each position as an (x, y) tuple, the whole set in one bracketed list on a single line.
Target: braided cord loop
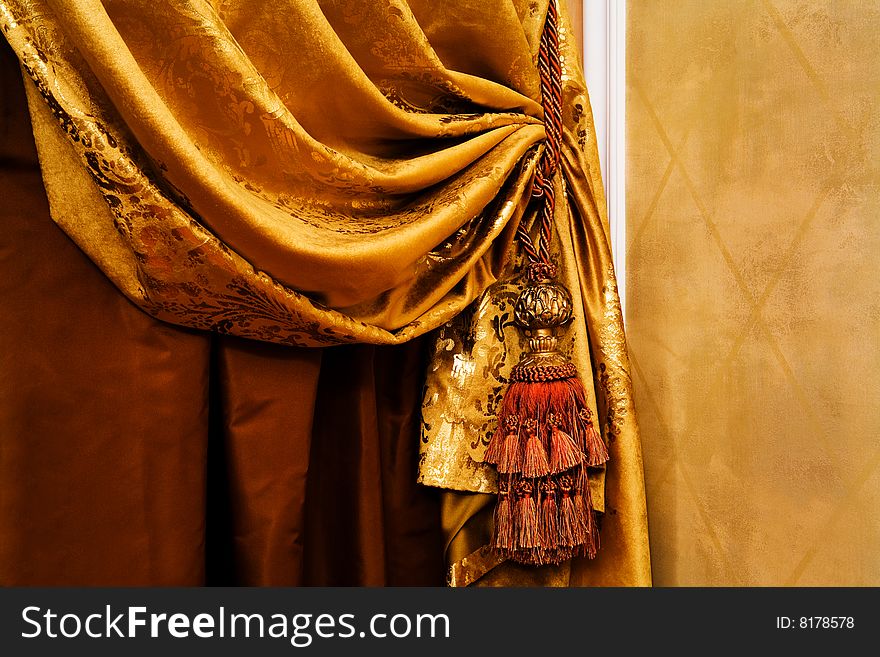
[(550, 70)]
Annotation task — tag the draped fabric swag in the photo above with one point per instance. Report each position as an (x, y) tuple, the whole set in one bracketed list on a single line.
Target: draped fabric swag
[(311, 174)]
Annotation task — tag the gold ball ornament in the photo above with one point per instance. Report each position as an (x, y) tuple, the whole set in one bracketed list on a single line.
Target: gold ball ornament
[(544, 305)]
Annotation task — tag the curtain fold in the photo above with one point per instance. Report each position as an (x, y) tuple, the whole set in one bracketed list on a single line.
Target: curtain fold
[(248, 196)]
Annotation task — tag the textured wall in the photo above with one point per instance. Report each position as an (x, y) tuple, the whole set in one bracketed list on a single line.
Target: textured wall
[(753, 245)]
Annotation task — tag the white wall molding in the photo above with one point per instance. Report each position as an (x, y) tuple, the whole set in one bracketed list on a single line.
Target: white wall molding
[(605, 71)]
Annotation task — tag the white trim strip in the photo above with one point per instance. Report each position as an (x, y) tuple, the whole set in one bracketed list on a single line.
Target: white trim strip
[(605, 71)]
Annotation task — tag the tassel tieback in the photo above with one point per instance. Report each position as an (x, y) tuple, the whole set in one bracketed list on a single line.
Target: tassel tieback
[(545, 438), (544, 443)]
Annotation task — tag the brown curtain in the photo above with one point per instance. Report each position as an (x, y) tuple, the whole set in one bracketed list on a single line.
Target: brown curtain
[(336, 172), (133, 452)]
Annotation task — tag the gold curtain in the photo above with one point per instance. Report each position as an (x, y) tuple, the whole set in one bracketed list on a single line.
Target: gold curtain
[(316, 173)]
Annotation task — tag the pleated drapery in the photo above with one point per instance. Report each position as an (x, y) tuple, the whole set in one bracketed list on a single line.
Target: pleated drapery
[(272, 181)]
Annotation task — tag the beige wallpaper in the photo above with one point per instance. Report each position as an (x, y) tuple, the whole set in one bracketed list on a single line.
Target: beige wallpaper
[(753, 211)]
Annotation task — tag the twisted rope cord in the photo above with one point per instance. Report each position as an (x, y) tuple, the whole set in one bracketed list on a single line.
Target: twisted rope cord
[(550, 70)]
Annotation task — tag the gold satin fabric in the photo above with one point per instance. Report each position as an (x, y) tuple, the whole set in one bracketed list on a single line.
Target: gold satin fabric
[(298, 172), (315, 173)]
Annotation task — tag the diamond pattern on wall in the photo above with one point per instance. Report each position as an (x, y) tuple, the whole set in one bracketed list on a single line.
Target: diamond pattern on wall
[(753, 201)]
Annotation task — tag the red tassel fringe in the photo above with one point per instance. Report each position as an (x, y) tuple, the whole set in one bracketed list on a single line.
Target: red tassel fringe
[(594, 446), (527, 516), (548, 531), (534, 461), (544, 443), (504, 525), (564, 451)]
